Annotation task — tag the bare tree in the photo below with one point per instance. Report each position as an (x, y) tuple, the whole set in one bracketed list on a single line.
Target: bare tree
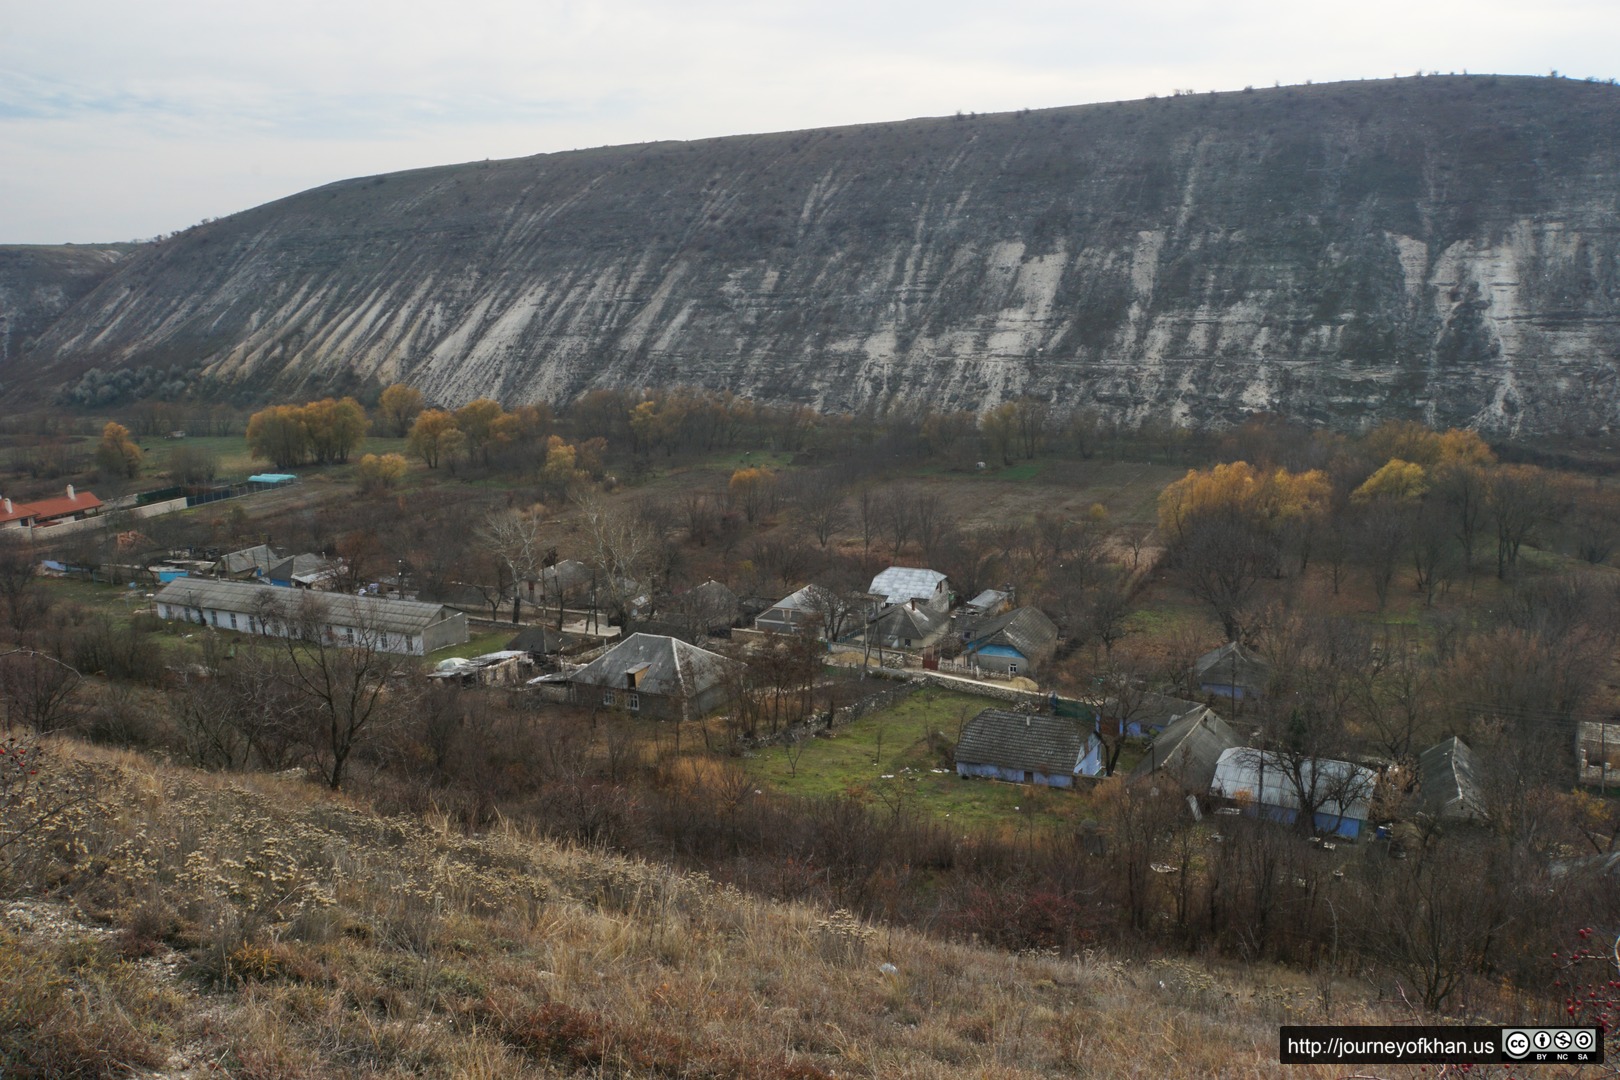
[(513, 538), (349, 687), (621, 547), (24, 600), (899, 518), (821, 505), (36, 689)]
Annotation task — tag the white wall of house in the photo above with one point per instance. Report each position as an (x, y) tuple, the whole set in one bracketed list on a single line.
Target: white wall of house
[(433, 637)]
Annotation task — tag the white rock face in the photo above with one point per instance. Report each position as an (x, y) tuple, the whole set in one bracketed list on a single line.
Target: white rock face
[(1436, 248)]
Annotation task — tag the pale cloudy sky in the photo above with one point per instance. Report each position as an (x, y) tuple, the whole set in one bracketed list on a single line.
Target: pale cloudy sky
[(123, 120)]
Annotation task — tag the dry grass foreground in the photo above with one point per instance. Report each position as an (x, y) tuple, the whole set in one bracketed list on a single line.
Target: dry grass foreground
[(176, 923)]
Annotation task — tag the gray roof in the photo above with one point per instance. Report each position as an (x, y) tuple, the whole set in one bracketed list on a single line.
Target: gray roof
[(335, 609), (907, 623), (1263, 778), (987, 600), (1189, 749), (663, 665), (1026, 629), (568, 574), (1232, 665), (1449, 781), (300, 566), (1156, 710), (1038, 742), (898, 584), (710, 596), (258, 557)]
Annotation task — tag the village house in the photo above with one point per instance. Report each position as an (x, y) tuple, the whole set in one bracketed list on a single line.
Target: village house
[(654, 675), (908, 585), (43, 513), (1027, 748), (1018, 642), (250, 562), (306, 571), (812, 607), (1188, 749), (1232, 671), (1143, 714), (1259, 782), (394, 626), (912, 625), (1448, 782), (710, 608)]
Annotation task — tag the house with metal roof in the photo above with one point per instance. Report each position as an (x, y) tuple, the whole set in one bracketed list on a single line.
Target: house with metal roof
[(655, 675), (253, 561), (903, 584), (1018, 642), (1188, 749), (1232, 671), (304, 571), (1028, 748), (1261, 782), (395, 626), (987, 603), (1448, 782)]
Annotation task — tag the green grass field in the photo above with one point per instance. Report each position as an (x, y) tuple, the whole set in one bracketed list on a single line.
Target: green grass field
[(886, 757)]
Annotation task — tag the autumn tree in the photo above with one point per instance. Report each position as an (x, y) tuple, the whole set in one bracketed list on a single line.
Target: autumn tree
[(381, 472), (334, 428), (751, 488), (117, 454), (1226, 527), (280, 435), (484, 425), (435, 437), (400, 405)]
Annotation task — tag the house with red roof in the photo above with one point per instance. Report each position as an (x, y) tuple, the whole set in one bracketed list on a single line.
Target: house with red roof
[(47, 512)]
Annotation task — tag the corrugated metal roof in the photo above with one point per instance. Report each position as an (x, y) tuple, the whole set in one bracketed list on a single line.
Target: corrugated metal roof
[(1264, 778), (1035, 742), (260, 556), (898, 584), (336, 609)]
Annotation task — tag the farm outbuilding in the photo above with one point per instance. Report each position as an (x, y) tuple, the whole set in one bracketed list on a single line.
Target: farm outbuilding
[(395, 626)]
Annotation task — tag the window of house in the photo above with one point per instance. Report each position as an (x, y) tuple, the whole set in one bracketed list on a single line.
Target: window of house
[(607, 697), (233, 620), (1012, 669), (348, 634), (633, 702), (411, 643)]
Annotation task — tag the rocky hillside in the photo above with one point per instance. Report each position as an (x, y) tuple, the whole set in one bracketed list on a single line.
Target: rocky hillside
[(37, 284), (1441, 247)]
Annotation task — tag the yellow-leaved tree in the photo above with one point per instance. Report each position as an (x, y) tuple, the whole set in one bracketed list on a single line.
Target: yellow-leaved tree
[(1227, 528)]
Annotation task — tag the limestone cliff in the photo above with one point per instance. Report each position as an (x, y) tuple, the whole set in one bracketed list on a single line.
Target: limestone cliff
[(1441, 247)]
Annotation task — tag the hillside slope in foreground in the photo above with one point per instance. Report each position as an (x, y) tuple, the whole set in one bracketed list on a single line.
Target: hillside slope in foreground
[(166, 922)]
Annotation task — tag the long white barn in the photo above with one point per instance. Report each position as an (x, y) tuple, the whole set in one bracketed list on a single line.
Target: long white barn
[(398, 626)]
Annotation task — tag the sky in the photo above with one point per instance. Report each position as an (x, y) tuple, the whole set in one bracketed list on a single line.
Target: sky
[(124, 121)]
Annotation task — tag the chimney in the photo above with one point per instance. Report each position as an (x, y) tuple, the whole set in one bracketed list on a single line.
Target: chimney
[(8, 506), (71, 496)]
